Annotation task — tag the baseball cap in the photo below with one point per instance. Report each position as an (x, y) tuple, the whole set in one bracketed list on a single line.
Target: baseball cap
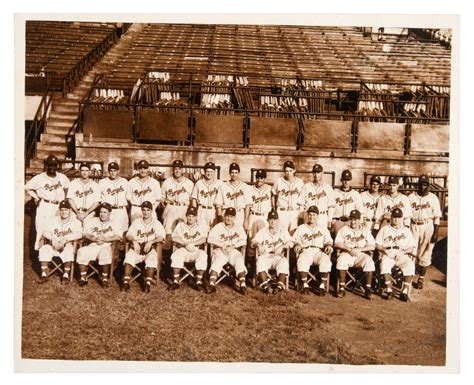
[(105, 205), (64, 204), (423, 179), (230, 211), (272, 215), (84, 164), (313, 209), (113, 166), (192, 210), (355, 214), (52, 159), (317, 168), (210, 165), (393, 179), (178, 163), (234, 166), (147, 205), (397, 213), (375, 179), (346, 175), (261, 173), (143, 164), (289, 164)]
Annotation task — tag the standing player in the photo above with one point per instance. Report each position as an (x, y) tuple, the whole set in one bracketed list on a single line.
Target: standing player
[(315, 244), (354, 241), (227, 237), (143, 188), (47, 189), (394, 243), (83, 194), (346, 200), (188, 237), (270, 243), (204, 194), (261, 194), (101, 232), (60, 231), (320, 194), (389, 201), (144, 233), (370, 199), (424, 224), (236, 194), (113, 190), (286, 191)]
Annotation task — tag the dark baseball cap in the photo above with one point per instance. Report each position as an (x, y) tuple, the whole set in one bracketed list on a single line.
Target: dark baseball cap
[(423, 179), (230, 211), (375, 179), (261, 173), (143, 164), (52, 159), (272, 215), (105, 205), (178, 163), (346, 175), (317, 168), (234, 166), (64, 204), (210, 165), (313, 209), (397, 213), (84, 164), (393, 179), (147, 205), (289, 164), (192, 210), (113, 166), (355, 214)]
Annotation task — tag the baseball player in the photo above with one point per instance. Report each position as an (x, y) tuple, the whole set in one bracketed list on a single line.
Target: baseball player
[(100, 231), (113, 190), (320, 194), (346, 200), (204, 194), (143, 188), (176, 191), (47, 189), (236, 194), (270, 243), (424, 224), (144, 233), (355, 241), (313, 245), (261, 194), (389, 201), (187, 237), (83, 194), (394, 243), (227, 237), (286, 192), (370, 199), (60, 231)]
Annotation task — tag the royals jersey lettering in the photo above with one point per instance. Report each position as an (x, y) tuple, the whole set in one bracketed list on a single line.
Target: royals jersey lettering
[(206, 192), (355, 238), (387, 203), (316, 236), (140, 191), (345, 202), (320, 196), (51, 189), (424, 207), (185, 234), (369, 202), (237, 196), (146, 232), (177, 192), (261, 199), (271, 242), (84, 195), (224, 236), (57, 230), (389, 236), (97, 228), (288, 192), (114, 191)]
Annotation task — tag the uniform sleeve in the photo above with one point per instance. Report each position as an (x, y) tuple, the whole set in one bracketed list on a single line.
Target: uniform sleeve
[(410, 239), (64, 181), (340, 235), (302, 196), (327, 237), (34, 183), (157, 190), (359, 204), (242, 240), (194, 193), (258, 237), (129, 190), (275, 188), (160, 230), (331, 198), (379, 210), (247, 195), (76, 228), (297, 237), (407, 205), (132, 230), (213, 237), (380, 236), (48, 230), (96, 193), (177, 233), (287, 238), (436, 206), (117, 229), (88, 227), (71, 190), (369, 238), (219, 201)]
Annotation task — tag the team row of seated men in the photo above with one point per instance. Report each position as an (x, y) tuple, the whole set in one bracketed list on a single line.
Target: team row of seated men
[(289, 199)]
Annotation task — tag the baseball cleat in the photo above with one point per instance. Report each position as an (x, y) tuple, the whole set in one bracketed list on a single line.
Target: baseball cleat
[(243, 290), (105, 283), (82, 282), (43, 279), (341, 293), (211, 289), (419, 284), (199, 287), (266, 289), (147, 287), (387, 295), (64, 280), (125, 287), (277, 289), (404, 297), (174, 286), (368, 293)]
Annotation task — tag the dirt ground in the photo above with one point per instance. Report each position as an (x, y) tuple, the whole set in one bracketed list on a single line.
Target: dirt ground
[(90, 323)]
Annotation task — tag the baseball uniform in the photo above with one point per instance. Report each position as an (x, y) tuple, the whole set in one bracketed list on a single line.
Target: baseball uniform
[(387, 203), (313, 240), (261, 206), (345, 202), (237, 196), (271, 250), (141, 190), (369, 202), (426, 212), (114, 192), (287, 201), (177, 195), (57, 230), (221, 237), (142, 232), (321, 196), (355, 239), (84, 195), (186, 236), (205, 193), (51, 192)]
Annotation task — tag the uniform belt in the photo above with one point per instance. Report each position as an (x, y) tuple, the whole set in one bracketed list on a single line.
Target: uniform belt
[(370, 220), (82, 209), (393, 247), (133, 204), (207, 207), (422, 221), (177, 204), (313, 247), (233, 208), (287, 208), (342, 219), (323, 212), (256, 213), (118, 207), (52, 202)]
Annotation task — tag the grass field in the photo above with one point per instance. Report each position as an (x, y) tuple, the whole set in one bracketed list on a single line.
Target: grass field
[(91, 323)]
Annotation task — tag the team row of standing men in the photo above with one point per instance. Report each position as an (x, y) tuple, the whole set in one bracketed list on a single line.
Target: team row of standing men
[(289, 200)]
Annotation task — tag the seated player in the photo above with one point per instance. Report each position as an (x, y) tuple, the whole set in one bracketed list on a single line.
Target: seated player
[(355, 241)]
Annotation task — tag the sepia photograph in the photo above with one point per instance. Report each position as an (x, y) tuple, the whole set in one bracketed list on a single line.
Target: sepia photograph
[(236, 190)]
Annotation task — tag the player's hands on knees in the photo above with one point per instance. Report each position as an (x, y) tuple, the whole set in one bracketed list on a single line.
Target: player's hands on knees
[(297, 248), (328, 250)]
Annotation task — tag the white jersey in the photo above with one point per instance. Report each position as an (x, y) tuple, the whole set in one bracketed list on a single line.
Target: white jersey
[(47, 188), (185, 234), (346, 201), (387, 203), (114, 191), (390, 237), (261, 199), (206, 192), (222, 236), (308, 236), (145, 232), (425, 208), (237, 196), (271, 242), (288, 193), (320, 196), (57, 230), (177, 192), (97, 228), (84, 195), (355, 238), (140, 191), (369, 202)]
